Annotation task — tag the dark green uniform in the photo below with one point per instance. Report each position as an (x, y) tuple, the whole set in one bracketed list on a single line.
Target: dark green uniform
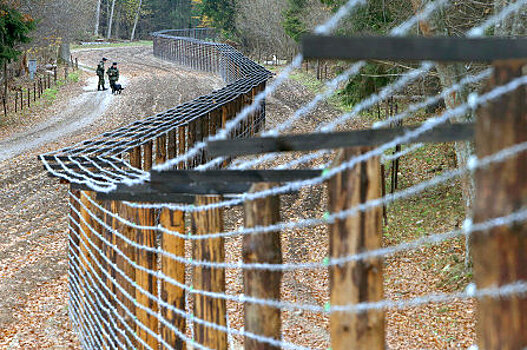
[(113, 75), (100, 73)]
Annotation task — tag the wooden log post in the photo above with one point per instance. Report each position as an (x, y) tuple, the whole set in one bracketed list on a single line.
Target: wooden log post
[(262, 284), (4, 102), (111, 255), (171, 294), (500, 254), (148, 260), (357, 281), (209, 279), (161, 149), (130, 252), (171, 144), (173, 221), (181, 144)]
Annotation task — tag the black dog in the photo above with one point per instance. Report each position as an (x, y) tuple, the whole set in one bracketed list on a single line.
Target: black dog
[(117, 88)]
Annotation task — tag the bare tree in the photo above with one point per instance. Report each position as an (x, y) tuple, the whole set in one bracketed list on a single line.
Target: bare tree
[(110, 21), (455, 21), (136, 19), (260, 24), (97, 17)]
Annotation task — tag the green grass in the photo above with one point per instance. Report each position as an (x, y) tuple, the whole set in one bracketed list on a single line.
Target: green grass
[(316, 86), (74, 77), (117, 44), (50, 95)]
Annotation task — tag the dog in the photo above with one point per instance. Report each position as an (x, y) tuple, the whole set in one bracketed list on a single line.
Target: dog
[(117, 89)]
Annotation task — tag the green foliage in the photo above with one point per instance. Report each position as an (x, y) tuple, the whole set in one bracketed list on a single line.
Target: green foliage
[(169, 14), (14, 28), (370, 80), (293, 24), (74, 77), (50, 94), (373, 18), (221, 12)]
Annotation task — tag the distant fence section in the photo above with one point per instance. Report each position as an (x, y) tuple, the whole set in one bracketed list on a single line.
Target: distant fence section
[(111, 295)]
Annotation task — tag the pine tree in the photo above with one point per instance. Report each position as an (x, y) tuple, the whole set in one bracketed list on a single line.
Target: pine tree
[(293, 25), (14, 29)]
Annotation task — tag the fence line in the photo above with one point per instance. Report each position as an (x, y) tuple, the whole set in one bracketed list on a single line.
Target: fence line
[(128, 264)]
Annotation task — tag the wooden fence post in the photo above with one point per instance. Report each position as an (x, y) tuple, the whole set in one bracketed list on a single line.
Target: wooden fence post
[(357, 281), (209, 279), (500, 254), (4, 102), (263, 284), (130, 233), (148, 260), (171, 294)]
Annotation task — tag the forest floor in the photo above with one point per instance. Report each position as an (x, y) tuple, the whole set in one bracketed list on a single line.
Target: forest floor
[(33, 281)]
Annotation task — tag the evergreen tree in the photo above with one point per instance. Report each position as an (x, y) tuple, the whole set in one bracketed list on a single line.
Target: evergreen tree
[(293, 25), (14, 29), (222, 14)]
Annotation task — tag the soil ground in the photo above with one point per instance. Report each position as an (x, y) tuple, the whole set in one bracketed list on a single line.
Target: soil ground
[(33, 289)]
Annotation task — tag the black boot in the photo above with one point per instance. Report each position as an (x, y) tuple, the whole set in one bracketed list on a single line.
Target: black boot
[(103, 88)]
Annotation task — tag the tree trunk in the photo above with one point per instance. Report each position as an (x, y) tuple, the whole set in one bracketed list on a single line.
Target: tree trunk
[(97, 18), (117, 19), (448, 75), (132, 37), (109, 32), (5, 78), (64, 53)]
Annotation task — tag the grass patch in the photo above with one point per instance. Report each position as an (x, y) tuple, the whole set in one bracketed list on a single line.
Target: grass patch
[(74, 77), (316, 86), (50, 95), (117, 44)]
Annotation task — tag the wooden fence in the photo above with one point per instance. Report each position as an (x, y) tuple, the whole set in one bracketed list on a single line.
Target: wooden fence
[(26, 96), (127, 262)]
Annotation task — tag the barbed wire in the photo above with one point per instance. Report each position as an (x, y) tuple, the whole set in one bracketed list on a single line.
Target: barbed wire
[(100, 314)]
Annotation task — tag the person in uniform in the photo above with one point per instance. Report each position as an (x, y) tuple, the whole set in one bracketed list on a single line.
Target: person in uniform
[(113, 75), (100, 74)]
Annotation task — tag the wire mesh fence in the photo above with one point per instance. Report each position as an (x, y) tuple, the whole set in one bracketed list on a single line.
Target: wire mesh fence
[(163, 256)]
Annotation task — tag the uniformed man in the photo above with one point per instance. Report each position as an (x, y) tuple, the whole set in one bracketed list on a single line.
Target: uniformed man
[(100, 74), (113, 75)]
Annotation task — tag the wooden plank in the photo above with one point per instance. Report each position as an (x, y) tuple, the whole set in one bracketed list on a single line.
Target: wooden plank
[(144, 193), (357, 281), (232, 176), (262, 284), (500, 254), (355, 138), (171, 294), (209, 279), (443, 49), (202, 188)]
